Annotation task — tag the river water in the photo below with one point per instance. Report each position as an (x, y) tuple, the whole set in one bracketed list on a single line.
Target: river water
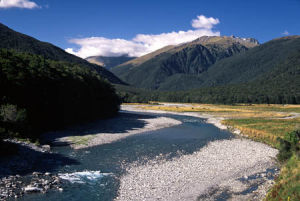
[(96, 172)]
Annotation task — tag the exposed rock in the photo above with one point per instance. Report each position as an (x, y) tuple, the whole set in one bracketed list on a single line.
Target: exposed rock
[(46, 147), (48, 174), (32, 189)]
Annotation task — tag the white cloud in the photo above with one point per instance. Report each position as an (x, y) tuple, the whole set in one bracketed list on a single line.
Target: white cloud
[(106, 47), (285, 33), (18, 3), (141, 44), (204, 22)]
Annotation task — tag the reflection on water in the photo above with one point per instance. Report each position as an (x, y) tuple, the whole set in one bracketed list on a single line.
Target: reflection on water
[(96, 175)]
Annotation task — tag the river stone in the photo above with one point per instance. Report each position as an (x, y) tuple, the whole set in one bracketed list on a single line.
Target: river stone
[(46, 147), (32, 189), (47, 173)]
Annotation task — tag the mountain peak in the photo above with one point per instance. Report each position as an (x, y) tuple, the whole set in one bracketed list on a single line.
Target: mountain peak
[(249, 40), (205, 40)]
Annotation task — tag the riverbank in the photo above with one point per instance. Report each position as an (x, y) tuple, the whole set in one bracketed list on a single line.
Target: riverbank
[(108, 131), (211, 119), (239, 169), (26, 171), (236, 169), (259, 122)]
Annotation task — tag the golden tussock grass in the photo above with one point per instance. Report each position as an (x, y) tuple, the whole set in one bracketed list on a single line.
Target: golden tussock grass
[(220, 111), (260, 122), (264, 129)]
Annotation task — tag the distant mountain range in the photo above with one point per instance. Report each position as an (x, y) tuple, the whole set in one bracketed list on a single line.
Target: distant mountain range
[(163, 68), (11, 39), (109, 62)]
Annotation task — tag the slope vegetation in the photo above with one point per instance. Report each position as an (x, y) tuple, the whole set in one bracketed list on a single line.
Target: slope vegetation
[(269, 73), (154, 70), (37, 94), (254, 64), (11, 39)]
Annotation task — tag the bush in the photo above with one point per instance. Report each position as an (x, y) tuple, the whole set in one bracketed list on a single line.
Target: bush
[(289, 145), (11, 113)]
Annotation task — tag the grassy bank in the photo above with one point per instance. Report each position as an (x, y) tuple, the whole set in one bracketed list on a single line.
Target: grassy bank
[(263, 129), (287, 185), (270, 124)]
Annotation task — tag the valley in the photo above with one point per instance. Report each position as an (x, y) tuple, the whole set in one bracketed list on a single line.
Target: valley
[(169, 114)]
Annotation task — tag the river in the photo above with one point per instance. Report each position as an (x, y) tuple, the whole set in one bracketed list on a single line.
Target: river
[(97, 172), (96, 175)]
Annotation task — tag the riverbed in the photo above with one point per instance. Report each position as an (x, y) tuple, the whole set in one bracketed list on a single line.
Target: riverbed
[(190, 160)]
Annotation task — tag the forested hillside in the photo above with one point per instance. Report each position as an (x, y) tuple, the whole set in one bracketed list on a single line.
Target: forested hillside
[(253, 64), (11, 39), (245, 67), (38, 94)]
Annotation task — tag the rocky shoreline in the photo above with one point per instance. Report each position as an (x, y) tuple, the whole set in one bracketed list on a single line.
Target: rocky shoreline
[(110, 131), (16, 186), (18, 176), (27, 171)]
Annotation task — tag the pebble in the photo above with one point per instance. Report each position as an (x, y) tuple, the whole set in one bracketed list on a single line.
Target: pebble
[(188, 176), (32, 189)]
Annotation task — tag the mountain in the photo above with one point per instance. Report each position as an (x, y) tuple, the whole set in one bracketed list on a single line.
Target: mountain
[(249, 66), (11, 39), (268, 73), (109, 62), (179, 62)]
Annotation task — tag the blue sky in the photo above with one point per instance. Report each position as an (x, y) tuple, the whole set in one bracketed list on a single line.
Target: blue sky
[(71, 24)]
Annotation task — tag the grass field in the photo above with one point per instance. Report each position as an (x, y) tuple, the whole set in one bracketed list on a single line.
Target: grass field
[(260, 122), (229, 111), (264, 129)]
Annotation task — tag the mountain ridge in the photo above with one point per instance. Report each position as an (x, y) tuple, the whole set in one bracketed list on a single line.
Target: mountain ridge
[(195, 57), (109, 62), (268, 73)]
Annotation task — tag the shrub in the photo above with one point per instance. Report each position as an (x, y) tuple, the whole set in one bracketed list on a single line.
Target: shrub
[(289, 145)]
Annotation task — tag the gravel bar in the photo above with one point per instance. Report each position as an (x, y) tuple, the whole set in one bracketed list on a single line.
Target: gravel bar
[(235, 169), (220, 165)]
